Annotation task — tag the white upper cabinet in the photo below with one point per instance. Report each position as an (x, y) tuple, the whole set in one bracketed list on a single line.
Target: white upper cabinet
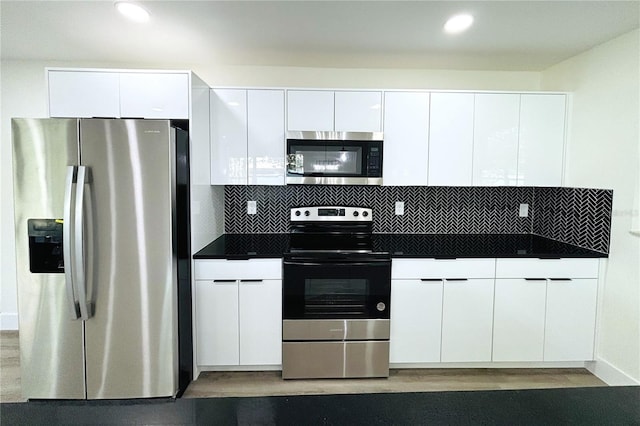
[(83, 94), (266, 138), (541, 146), (451, 139), (228, 137), (358, 111), (495, 140), (89, 93), (310, 110), (406, 138), (328, 110), (154, 95)]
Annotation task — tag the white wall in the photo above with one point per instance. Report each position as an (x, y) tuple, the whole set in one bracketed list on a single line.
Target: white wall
[(604, 152), (23, 94)]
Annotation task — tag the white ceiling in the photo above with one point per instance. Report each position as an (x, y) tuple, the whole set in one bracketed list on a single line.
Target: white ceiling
[(507, 35)]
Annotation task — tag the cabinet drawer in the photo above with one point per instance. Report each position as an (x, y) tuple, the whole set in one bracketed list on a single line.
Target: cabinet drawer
[(547, 268), (238, 269), (442, 268)]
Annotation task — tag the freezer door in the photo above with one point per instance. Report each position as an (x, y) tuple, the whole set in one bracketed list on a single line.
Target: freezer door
[(131, 336), (51, 353)]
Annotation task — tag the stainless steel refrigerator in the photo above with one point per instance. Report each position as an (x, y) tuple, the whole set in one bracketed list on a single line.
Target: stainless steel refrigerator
[(102, 249)]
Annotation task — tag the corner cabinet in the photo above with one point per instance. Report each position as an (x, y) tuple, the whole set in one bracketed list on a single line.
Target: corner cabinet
[(238, 313), (328, 110), (247, 137), (118, 93)]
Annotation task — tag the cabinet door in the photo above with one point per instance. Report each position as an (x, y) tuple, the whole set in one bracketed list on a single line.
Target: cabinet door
[(416, 320), (358, 111), (406, 138), (266, 142), (495, 139), (228, 137), (541, 146), (518, 323), (154, 95), (260, 322), (571, 320), (451, 139), (467, 320), (310, 110), (217, 341), (83, 94)]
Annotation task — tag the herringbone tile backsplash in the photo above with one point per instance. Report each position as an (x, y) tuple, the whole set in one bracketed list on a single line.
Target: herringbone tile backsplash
[(577, 216)]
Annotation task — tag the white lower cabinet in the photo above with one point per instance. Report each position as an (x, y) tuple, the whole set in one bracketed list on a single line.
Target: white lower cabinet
[(260, 319), (238, 321), (570, 319), (416, 320), (467, 320), (518, 322)]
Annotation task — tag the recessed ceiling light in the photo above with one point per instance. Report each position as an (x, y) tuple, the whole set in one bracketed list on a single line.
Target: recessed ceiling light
[(132, 11), (458, 23)]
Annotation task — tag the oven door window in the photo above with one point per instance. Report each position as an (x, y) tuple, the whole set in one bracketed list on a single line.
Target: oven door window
[(330, 296), (336, 291)]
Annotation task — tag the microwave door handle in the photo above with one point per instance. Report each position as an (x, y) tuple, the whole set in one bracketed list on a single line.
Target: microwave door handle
[(81, 282), (67, 242)]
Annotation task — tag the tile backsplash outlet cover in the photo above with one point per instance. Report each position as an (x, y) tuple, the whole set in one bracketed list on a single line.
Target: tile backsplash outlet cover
[(574, 215)]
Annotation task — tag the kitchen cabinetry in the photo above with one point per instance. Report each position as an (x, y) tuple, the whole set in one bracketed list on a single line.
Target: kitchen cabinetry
[(495, 139), (327, 110), (238, 312), (451, 139), (406, 138), (416, 320), (119, 94), (545, 309), (467, 319), (441, 310), (541, 139), (247, 137)]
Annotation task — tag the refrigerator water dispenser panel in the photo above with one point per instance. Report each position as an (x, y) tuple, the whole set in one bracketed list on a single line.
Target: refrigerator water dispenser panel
[(45, 246)]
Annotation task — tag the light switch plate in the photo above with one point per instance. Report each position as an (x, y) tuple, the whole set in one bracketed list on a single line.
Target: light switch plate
[(252, 208), (399, 207), (524, 210)]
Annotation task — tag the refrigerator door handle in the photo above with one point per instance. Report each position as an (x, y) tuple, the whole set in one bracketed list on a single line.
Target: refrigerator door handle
[(67, 242), (79, 261)]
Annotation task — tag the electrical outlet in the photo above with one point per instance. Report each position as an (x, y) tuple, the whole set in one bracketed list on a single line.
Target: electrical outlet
[(252, 208), (524, 210), (399, 207)]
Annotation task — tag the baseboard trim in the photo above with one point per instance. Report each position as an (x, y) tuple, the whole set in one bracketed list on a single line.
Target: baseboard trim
[(8, 321), (610, 374), (495, 365)]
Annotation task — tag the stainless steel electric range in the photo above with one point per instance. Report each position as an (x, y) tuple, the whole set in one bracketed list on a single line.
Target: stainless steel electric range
[(336, 296)]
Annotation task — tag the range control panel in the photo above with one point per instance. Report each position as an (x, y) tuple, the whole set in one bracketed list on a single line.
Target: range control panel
[(331, 214)]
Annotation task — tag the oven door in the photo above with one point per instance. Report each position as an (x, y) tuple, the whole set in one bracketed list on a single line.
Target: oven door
[(339, 289)]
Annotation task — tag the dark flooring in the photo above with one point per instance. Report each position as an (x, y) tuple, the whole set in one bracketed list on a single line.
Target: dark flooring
[(569, 406)]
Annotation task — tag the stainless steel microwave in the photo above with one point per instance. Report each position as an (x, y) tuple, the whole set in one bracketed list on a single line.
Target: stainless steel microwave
[(334, 158)]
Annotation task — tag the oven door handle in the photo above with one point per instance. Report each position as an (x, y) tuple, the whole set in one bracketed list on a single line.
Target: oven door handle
[(336, 262)]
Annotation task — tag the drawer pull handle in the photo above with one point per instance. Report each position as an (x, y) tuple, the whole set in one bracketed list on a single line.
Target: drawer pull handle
[(250, 281), (456, 279), (430, 279), (560, 279), (535, 279), (224, 281)]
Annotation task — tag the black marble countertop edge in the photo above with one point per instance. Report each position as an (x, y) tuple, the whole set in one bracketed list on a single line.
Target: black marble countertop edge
[(256, 246)]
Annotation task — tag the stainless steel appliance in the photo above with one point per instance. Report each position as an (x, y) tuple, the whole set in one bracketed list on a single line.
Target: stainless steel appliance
[(103, 269), (336, 296), (334, 158)]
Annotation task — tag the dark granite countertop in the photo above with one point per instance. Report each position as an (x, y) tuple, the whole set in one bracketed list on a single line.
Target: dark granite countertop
[(247, 246)]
